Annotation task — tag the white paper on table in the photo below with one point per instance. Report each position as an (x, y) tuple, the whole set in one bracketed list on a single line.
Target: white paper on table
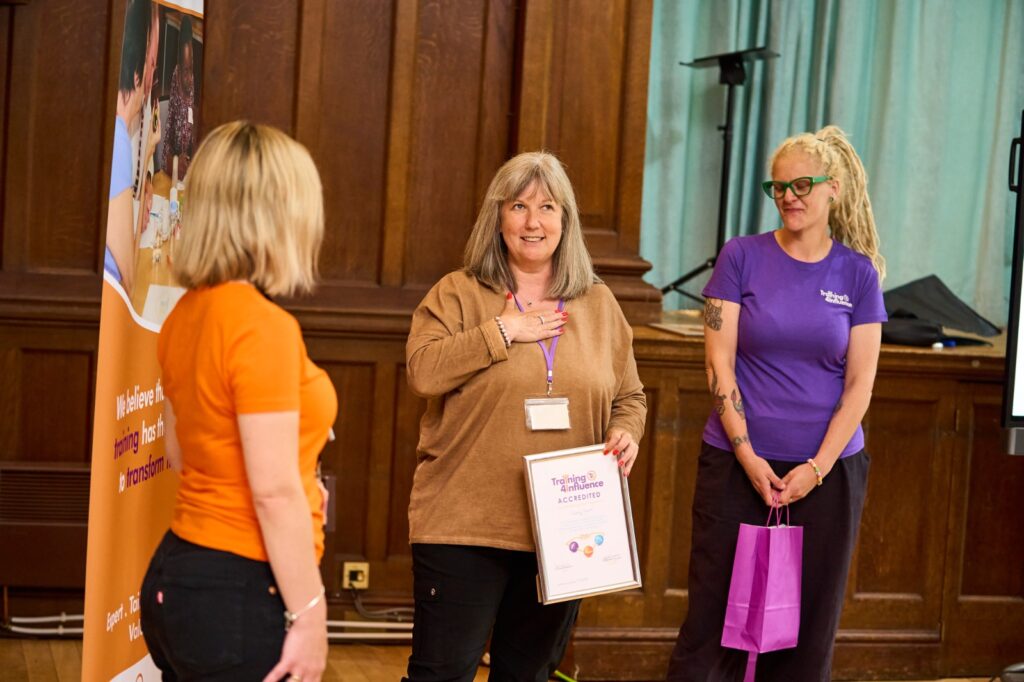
[(160, 301)]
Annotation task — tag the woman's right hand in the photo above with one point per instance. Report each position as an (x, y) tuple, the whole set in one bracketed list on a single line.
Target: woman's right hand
[(304, 655), (762, 477), (533, 325)]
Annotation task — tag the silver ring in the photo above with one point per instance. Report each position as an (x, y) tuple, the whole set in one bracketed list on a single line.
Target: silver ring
[(541, 318)]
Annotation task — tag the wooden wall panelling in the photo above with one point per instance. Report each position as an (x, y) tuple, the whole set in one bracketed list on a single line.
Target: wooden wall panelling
[(694, 407), (46, 403), (348, 457), (10, 407), (642, 627), (47, 391), (6, 23), (404, 150), (455, 74), (583, 97), (984, 586), (497, 85), (909, 438), (54, 188), (626, 609), (342, 117), (408, 410), (382, 446), (373, 459), (57, 393), (396, 212), (250, 63), (892, 617), (50, 41)]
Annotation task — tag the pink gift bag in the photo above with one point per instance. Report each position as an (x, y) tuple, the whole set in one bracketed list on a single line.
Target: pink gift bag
[(763, 611)]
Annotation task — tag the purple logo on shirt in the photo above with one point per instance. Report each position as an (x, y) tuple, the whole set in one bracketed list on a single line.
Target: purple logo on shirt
[(838, 299)]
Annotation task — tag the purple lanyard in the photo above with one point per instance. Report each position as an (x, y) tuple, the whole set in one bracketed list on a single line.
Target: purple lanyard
[(549, 353)]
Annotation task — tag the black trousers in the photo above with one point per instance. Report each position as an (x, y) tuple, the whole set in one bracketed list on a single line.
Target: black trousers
[(210, 615), (463, 594), (724, 498)]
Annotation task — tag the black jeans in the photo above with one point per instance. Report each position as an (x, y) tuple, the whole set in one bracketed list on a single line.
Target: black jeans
[(461, 593), (210, 615)]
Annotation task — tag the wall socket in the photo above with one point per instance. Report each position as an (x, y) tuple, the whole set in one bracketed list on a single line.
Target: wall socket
[(355, 575)]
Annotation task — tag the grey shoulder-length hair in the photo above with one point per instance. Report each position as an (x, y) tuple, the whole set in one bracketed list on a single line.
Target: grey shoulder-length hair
[(486, 255)]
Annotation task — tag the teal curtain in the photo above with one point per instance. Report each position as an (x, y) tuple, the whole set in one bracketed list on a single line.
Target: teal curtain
[(929, 91)]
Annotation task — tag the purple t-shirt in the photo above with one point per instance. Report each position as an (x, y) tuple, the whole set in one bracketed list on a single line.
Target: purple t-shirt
[(794, 329)]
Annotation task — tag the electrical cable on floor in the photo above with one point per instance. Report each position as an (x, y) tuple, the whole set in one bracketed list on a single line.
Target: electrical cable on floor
[(399, 614)]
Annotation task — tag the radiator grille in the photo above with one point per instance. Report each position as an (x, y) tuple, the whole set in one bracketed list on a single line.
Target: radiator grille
[(44, 495)]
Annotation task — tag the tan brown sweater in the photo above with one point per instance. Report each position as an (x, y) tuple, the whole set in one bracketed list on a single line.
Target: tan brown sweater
[(469, 487)]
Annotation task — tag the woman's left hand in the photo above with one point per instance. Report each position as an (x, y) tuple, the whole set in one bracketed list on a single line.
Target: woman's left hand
[(800, 482), (620, 443)]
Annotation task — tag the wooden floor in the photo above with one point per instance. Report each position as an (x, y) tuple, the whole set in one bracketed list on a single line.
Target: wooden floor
[(50, 660)]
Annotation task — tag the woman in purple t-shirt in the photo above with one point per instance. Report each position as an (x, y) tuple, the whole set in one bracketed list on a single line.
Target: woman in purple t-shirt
[(792, 323)]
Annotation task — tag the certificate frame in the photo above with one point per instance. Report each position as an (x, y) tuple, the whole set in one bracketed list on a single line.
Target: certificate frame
[(566, 503)]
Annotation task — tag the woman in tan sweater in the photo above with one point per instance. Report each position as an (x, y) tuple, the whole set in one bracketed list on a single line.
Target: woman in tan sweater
[(525, 318)]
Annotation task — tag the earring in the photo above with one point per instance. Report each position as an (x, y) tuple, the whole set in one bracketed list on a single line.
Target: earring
[(832, 200)]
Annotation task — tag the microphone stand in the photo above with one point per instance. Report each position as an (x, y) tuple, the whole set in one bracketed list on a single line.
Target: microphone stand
[(731, 74)]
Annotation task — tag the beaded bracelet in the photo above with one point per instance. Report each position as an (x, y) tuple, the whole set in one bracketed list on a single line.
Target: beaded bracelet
[(504, 332), (817, 471), (290, 618)]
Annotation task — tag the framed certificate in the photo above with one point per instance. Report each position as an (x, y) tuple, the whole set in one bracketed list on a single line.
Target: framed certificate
[(582, 524)]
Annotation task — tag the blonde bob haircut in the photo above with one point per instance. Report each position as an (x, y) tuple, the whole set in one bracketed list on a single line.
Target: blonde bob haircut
[(851, 218), (486, 255), (253, 211)]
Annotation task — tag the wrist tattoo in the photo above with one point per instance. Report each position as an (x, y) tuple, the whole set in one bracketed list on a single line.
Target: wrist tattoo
[(713, 313), (737, 403), (740, 440)]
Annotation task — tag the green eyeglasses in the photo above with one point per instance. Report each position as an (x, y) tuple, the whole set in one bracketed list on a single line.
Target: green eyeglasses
[(801, 187)]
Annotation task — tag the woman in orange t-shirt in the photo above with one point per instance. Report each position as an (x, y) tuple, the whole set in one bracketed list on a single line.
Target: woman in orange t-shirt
[(233, 591)]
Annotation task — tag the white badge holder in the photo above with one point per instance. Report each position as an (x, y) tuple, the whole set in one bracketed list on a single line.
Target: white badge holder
[(547, 414)]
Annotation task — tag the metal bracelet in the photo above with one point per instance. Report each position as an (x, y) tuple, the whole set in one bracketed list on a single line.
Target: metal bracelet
[(290, 617)]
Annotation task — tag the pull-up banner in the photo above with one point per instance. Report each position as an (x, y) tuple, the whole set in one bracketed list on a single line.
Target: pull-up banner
[(132, 489)]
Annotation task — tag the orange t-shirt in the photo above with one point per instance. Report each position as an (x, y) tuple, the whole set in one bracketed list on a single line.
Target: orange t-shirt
[(225, 351)]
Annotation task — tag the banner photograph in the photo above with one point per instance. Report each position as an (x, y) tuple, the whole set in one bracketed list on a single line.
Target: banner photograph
[(156, 132)]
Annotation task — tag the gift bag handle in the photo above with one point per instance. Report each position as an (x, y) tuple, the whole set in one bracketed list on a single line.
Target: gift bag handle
[(775, 509), (748, 674)]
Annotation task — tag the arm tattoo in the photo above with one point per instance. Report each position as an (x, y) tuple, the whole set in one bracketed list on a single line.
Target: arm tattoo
[(719, 398), (839, 406), (713, 313), (737, 403), (740, 440)]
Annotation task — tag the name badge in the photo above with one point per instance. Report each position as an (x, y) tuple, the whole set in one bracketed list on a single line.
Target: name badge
[(190, 116), (547, 414)]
